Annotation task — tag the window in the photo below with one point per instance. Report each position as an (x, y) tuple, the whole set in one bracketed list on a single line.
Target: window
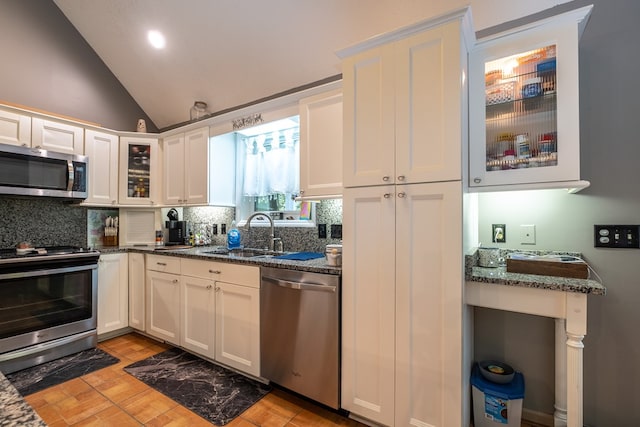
[(268, 179)]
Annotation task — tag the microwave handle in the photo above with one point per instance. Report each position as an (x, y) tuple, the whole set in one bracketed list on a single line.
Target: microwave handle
[(70, 175)]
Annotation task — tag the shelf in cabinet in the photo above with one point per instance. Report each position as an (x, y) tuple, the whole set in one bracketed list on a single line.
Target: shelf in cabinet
[(522, 107)]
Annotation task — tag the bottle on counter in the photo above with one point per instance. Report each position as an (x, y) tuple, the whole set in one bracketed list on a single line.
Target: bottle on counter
[(233, 237)]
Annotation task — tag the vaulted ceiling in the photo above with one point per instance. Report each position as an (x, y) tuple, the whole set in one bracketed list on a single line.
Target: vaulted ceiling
[(232, 52)]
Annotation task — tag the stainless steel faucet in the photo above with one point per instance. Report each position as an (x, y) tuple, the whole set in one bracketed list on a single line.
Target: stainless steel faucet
[(272, 237)]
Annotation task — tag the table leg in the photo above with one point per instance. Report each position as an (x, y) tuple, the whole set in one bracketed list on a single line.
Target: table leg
[(560, 405)]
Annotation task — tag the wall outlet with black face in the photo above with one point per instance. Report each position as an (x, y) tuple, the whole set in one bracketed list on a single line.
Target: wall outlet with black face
[(499, 233)]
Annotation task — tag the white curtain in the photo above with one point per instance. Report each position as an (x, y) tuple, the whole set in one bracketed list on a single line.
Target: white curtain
[(272, 163)]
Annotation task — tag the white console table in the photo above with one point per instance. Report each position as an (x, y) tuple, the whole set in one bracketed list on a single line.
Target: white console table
[(563, 299)]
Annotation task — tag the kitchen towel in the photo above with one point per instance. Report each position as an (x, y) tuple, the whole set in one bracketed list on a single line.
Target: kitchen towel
[(301, 256)]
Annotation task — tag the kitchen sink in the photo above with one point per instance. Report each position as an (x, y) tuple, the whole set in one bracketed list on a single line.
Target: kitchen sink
[(245, 253)]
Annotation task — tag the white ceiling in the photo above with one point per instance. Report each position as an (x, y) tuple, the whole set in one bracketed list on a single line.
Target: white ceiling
[(232, 52)]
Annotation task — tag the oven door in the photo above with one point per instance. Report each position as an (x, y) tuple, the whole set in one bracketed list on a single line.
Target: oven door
[(40, 304)]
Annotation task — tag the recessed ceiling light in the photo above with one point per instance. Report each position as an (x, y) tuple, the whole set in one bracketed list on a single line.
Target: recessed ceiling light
[(156, 39)]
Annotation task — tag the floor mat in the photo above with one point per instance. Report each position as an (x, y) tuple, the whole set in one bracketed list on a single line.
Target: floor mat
[(213, 392), (36, 378)]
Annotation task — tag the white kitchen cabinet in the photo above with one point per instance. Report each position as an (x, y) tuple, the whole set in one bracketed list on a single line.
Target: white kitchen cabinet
[(137, 291), (404, 104), (198, 308), (402, 304), (321, 145), (15, 128), (524, 106), (186, 161), (113, 293), (139, 171), (163, 298), (57, 136), (102, 150), (238, 318)]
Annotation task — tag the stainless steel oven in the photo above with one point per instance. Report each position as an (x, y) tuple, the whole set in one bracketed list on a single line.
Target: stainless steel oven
[(48, 305)]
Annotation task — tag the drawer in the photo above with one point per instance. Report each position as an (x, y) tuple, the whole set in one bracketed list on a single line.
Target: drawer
[(246, 275), (166, 264)]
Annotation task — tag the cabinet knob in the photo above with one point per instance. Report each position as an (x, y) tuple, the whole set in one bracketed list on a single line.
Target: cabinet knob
[(209, 287), (477, 180), (302, 192), (217, 288), (387, 195), (402, 195), (401, 177), (385, 178), (174, 281), (215, 271)]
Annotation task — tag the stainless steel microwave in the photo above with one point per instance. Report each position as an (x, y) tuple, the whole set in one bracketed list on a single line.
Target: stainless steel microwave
[(28, 171)]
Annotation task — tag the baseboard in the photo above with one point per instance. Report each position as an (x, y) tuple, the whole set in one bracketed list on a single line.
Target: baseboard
[(536, 417)]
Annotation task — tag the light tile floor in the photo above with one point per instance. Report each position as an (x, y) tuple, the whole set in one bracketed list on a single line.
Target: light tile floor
[(111, 397)]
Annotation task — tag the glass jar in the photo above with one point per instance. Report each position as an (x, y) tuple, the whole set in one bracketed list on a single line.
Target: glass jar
[(199, 110)]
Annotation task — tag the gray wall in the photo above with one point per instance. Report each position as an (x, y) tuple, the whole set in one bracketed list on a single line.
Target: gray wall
[(609, 104), (47, 65)]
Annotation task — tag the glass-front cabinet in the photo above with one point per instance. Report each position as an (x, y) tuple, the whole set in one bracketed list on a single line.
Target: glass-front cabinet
[(524, 106), (139, 167)]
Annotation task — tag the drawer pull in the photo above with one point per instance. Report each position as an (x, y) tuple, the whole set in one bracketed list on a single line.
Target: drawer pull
[(215, 271), (162, 263)]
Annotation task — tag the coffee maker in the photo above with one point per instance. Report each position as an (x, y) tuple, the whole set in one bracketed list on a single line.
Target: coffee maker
[(178, 230)]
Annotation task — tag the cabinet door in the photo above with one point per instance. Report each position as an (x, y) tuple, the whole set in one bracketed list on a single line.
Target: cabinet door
[(174, 171), (368, 111), (429, 106), (321, 145), (196, 158), (428, 305), (524, 106), (102, 150), (15, 129), (136, 291), (55, 136), (139, 183), (368, 295), (198, 316), (163, 306), (113, 289), (238, 327)]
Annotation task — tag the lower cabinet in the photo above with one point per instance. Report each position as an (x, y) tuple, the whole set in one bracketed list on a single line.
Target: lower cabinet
[(136, 291), (163, 298), (238, 326), (198, 316), (112, 293)]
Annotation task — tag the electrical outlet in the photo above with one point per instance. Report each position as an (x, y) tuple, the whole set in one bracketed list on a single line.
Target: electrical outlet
[(214, 228), (322, 231), (499, 233), (223, 228), (336, 231), (528, 234), (617, 236)]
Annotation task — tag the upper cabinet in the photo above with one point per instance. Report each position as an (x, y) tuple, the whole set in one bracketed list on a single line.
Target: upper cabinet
[(102, 150), (524, 106), (139, 171), (57, 136), (15, 128), (321, 145), (186, 167), (405, 106)]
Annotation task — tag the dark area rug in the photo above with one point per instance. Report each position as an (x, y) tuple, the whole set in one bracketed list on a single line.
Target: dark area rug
[(34, 379), (211, 391)]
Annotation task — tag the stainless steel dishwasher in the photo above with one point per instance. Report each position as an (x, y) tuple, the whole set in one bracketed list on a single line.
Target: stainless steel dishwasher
[(300, 332)]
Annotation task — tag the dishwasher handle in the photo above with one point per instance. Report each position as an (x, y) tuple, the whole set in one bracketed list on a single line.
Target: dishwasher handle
[(300, 286)]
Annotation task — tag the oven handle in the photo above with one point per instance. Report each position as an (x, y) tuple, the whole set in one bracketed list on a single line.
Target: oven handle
[(298, 285), (48, 272)]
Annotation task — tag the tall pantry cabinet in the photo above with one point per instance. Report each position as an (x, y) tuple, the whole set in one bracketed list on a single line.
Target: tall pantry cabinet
[(404, 130)]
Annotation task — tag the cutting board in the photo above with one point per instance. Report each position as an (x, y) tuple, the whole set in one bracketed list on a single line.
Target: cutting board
[(575, 270)]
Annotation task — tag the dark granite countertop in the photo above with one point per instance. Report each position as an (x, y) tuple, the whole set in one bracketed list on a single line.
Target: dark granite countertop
[(500, 276), (318, 265), (14, 411)]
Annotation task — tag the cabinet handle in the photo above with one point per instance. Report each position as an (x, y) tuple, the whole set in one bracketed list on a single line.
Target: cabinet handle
[(209, 287), (217, 288), (162, 263), (385, 178), (302, 192), (215, 271), (174, 281), (387, 195), (477, 180), (402, 195), (400, 177)]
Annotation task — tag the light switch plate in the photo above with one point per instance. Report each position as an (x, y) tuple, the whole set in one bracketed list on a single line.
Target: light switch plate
[(528, 234)]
